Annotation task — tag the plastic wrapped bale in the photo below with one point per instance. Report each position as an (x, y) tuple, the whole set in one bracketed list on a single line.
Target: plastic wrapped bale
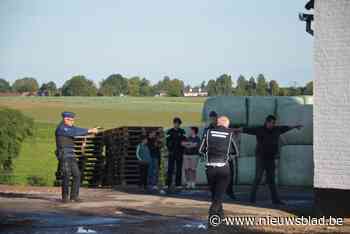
[(296, 165), (259, 108), (308, 100), (297, 115), (246, 170), (247, 145), (233, 107), (201, 176), (287, 102)]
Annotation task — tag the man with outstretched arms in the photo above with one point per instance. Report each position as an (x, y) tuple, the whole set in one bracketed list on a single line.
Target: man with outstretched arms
[(65, 133)]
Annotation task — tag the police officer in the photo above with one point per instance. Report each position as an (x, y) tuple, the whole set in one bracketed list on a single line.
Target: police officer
[(213, 117), (65, 133), (218, 146)]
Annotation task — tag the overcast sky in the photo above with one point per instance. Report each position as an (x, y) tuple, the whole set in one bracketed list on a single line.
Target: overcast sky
[(192, 40)]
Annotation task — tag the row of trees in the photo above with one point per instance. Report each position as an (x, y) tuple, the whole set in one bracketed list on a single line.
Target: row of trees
[(254, 87), (116, 85)]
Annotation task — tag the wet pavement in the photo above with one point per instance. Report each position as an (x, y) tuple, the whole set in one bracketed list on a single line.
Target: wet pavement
[(39, 210)]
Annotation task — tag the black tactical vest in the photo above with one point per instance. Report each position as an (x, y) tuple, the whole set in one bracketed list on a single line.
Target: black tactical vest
[(219, 146)]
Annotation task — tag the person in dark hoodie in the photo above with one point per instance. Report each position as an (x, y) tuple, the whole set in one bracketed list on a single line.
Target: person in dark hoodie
[(174, 138), (267, 137)]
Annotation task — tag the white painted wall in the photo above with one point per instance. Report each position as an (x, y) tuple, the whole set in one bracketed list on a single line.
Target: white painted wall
[(332, 94)]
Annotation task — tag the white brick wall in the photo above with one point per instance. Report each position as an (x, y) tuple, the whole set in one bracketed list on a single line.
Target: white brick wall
[(332, 94)]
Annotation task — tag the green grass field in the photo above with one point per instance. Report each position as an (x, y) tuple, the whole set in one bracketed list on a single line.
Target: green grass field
[(37, 153)]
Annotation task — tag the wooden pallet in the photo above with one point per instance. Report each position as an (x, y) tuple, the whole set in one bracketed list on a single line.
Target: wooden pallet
[(123, 142), (88, 151)]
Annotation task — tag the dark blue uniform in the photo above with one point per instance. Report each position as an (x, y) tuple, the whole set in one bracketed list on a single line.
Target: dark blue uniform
[(65, 154)]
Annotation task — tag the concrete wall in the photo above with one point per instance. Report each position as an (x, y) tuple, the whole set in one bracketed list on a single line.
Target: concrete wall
[(332, 94)]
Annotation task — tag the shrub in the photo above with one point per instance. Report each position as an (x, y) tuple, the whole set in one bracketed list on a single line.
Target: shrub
[(36, 181), (13, 130)]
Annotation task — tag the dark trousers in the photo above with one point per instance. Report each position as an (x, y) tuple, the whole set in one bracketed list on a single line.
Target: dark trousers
[(70, 168), (268, 166), (229, 189), (172, 161), (218, 180), (143, 166)]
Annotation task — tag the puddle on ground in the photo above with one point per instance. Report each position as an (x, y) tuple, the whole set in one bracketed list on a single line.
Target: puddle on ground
[(195, 225)]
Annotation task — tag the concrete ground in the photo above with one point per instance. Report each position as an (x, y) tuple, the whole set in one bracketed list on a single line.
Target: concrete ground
[(38, 210)]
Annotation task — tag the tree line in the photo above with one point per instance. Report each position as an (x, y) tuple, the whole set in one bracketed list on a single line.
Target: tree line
[(118, 85)]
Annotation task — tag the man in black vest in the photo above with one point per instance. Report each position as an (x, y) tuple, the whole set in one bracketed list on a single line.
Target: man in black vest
[(213, 117), (65, 133), (218, 146)]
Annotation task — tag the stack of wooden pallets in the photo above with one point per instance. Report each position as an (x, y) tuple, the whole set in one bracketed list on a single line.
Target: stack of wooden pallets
[(122, 167), (109, 158)]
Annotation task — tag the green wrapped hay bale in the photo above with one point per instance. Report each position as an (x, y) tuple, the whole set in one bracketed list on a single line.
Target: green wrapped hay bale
[(259, 108), (246, 170), (308, 100), (233, 107), (247, 145), (287, 102), (201, 176), (296, 165), (298, 114)]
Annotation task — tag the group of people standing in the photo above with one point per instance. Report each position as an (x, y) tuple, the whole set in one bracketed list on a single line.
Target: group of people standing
[(217, 146), (183, 155)]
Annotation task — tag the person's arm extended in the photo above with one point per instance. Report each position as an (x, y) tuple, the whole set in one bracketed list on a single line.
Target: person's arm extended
[(250, 130), (284, 129), (76, 131)]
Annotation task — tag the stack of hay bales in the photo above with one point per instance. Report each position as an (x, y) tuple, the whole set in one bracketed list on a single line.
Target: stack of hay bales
[(235, 108), (296, 153), (295, 164)]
